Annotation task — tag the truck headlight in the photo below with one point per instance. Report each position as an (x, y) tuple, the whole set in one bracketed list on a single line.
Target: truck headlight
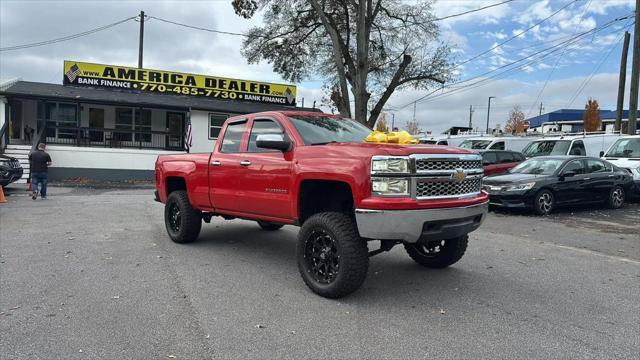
[(389, 165), (521, 187), (390, 186)]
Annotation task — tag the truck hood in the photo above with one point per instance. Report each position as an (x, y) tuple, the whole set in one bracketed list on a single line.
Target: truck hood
[(627, 163), (370, 149)]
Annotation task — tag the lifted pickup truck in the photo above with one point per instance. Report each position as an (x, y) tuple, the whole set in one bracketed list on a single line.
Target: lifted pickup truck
[(315, 171)]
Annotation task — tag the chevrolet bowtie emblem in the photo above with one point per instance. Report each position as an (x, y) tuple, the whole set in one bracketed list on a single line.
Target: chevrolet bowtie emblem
[(458, 176)]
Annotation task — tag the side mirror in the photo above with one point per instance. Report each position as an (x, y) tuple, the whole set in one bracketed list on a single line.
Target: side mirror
[(569, 173), (601, 153), (273, 141)]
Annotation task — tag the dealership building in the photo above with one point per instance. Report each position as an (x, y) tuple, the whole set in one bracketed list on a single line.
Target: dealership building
[(110, 122)]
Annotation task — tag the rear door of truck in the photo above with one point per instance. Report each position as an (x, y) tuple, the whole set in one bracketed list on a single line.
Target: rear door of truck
[(226, 172)]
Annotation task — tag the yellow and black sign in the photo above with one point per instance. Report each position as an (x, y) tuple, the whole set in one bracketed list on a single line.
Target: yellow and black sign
[(169, 82)]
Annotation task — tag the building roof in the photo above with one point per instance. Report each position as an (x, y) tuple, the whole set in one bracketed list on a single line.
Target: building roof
[(28, 89), (571, 115)]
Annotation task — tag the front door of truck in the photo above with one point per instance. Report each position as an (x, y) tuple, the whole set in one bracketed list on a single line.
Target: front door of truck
[(267, 180), (226, 174)]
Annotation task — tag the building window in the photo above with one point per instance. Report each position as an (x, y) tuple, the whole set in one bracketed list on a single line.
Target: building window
[(124, 121), (62, 120), (216, 120), (143, 124)]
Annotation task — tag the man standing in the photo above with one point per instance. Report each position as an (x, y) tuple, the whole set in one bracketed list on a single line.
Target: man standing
[(40, 162)]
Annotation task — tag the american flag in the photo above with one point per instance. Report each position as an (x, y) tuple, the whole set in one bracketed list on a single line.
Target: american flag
[(188, 136), (73, 72)]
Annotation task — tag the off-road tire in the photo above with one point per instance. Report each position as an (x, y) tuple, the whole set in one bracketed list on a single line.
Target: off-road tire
[(541, 204), (351, 255), (616, 197), (190, 219), (269, 226), (450, 253)]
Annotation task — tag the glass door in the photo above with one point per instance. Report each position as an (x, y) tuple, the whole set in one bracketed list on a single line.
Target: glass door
[(175, 130), (96, 121)]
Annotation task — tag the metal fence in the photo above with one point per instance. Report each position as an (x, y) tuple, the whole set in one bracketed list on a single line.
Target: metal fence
[(112, 138)]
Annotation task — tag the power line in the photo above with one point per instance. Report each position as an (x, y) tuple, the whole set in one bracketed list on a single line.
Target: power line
[(516, 35), (553, 69), (472, 11), (553, 49), (66, 38), (586, 81), (197, 27), (489, 50)]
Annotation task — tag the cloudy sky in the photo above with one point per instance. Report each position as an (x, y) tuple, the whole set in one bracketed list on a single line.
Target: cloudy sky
[(565, 78)]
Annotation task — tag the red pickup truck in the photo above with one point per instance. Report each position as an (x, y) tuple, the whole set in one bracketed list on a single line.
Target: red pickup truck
[(315, 171)]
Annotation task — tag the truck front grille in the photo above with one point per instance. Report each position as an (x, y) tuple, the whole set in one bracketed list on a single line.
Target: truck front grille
[(446, 164), (431, 188), (446, 175)]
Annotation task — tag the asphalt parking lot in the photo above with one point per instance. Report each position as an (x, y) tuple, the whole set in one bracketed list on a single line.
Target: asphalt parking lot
[(91, 274)]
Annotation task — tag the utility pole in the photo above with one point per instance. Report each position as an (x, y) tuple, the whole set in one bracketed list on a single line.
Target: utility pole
[(140, 45), (470, 116), (414, 110), (621, 81), (540, 113), (393, 121), (489, 111), (635, 75)]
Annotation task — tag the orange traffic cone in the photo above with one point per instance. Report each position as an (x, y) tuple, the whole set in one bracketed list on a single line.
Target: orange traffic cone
[(2, 198)]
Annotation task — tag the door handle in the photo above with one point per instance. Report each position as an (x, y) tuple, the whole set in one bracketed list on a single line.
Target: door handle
[(612, 176), (245, 162), (215, 163), (586, 178)]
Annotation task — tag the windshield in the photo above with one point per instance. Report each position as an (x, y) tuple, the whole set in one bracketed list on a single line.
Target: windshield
[(548, 147), (318, 130), (628, 148), (475, 144), (537, 166)]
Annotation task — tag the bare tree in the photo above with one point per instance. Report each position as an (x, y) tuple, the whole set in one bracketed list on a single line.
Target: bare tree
[(591, 116), (516, 122), (381, 124), (370, 48), (412, 127)]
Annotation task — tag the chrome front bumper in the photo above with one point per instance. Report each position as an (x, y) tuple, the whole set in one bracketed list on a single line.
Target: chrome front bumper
[(420, 225)]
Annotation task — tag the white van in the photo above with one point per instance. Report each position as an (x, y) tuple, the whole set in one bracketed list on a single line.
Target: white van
[(449, 140), (589, 145), (512, 143), (625, 153)]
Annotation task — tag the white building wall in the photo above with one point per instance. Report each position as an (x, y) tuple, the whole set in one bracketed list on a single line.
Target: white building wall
[(200, 131), (3, 101), (104, 158)]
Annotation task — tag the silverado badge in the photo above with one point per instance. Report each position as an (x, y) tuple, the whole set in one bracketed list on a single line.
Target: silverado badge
[(458, 176)]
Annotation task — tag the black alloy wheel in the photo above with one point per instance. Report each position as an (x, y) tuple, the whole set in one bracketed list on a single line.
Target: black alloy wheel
[(321, 256), (616, 197), (332, 257), (438, 254), (182, 221), (544, 202), (175, 219)]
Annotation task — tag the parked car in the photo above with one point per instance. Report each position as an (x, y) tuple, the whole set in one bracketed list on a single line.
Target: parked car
[(579, 145), (545, 182), (513, 143), (625, 153), (496, 162), (10, 170), (449, 140), (314, 170)]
